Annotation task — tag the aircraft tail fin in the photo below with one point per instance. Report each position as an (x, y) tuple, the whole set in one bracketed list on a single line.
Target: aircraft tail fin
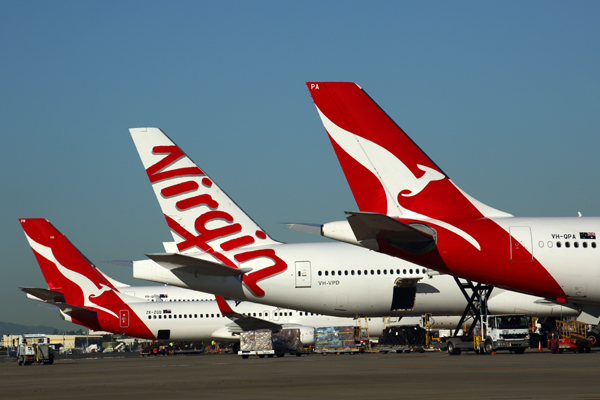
[(387, 172), (201, 216), (65, 268)]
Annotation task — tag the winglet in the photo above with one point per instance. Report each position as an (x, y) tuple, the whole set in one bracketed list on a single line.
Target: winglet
[(224, 307)]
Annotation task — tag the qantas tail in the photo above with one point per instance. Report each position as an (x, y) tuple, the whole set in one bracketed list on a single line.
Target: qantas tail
[(65, 269), (89, 298), (387, 172), (201, 216)]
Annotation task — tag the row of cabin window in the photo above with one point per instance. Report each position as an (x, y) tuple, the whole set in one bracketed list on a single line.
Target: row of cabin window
[(568, 244), (166, 300), (366, 272), (282, 314), (185, 316)]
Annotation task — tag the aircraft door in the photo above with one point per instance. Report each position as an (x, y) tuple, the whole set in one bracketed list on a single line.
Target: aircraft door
[(405, 292), (521, 248), (341, 302), (124, 318), (303, 274)]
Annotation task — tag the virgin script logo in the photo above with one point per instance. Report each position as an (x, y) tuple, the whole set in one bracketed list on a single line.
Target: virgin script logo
[(193, 193)]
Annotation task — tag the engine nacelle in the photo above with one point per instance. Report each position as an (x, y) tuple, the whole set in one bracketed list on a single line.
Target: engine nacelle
[(307, 333), (341, 231)]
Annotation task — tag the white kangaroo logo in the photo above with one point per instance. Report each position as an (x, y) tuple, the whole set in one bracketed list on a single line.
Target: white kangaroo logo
[(393, 175), (89, 289)]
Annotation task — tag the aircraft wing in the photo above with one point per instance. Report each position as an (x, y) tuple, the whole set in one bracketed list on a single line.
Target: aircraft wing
[(184, 263), (44, 294), (414, 238), (241, 322)]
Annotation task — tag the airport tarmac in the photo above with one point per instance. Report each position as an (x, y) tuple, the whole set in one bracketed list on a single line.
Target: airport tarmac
[(533, 375)]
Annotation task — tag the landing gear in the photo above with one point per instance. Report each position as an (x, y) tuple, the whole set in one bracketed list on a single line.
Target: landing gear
[(476, 303)]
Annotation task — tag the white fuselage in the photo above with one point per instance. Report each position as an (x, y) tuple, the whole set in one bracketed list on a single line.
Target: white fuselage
[(348, 281)]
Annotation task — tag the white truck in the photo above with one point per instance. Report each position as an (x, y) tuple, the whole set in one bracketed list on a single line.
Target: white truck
[(497, 332), (34, 348)]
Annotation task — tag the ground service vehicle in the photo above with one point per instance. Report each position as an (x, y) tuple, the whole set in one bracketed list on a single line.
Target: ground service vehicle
[(570, 336), (34, 348), (498, 332)]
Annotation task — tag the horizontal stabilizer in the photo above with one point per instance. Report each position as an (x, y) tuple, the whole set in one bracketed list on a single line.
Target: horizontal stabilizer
[(184, 263), (314, 229), (44, 294), (56, 299), (413, 238)]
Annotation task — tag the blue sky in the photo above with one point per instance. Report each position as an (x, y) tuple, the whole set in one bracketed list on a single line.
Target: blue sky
[(503, 96)]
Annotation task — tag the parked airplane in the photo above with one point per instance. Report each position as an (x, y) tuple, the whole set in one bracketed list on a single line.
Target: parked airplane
[(410, 209), (219, 249), (88, 297)]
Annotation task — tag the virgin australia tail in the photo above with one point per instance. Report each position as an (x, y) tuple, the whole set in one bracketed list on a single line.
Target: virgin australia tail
[(387, 172), (201, 216)]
